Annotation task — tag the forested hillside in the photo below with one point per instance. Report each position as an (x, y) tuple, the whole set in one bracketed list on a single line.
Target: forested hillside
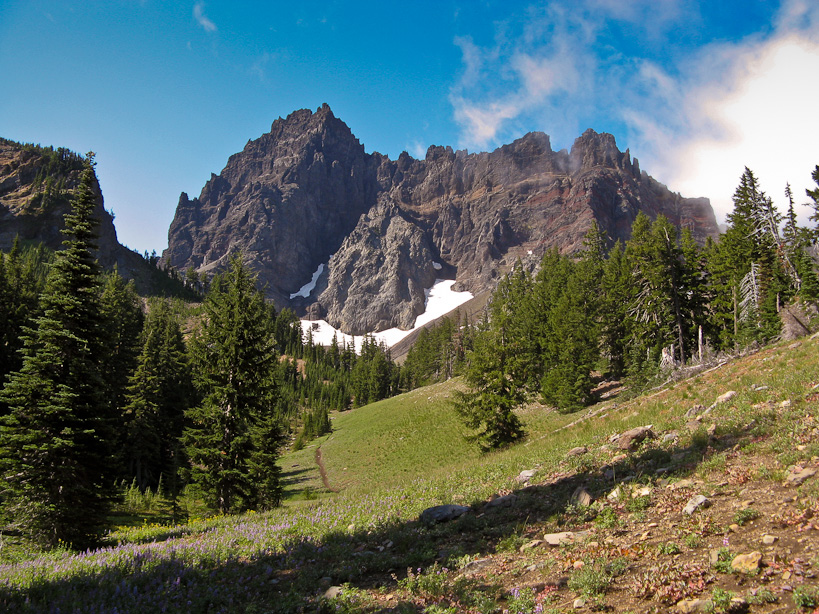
[(105, 390), (632, 311)]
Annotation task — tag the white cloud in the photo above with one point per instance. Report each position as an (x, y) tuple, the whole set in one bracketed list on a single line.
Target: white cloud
[(550, 60), (201, 18), (417, 150), (694, 125), (760, 113)]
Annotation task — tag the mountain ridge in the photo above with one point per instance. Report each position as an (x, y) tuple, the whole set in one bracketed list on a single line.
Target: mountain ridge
[(307, 193)]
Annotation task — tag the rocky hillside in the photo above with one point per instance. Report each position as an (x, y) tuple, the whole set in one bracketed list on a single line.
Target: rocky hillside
[(36, 187), (307, 194)]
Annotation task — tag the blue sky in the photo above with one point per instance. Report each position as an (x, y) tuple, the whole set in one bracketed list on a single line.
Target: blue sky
[(164, 92)]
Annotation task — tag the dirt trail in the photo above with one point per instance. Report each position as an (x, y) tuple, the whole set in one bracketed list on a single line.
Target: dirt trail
[(323, 472)]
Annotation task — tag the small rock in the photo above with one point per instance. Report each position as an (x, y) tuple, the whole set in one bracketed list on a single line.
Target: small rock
[(794, 345), (442, 513), (695, 411), (578, 564), (688, 606), (531, 545), (582, 497), (565, 537), (738, 604), (785, 404), (695, 503), (769, 540), (672, 436), (798, 475), (526, 475), (634, 437), (579, 451), (747, 563), (505, 501), (579, 603), (473, 567), (724, 398), (645, 491), (711, 430), (619, 458), (713, 556), (333, 592), (614, 495), (734, 528)]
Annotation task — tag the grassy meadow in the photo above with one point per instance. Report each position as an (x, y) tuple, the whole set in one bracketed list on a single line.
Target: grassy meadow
[(387, 462)]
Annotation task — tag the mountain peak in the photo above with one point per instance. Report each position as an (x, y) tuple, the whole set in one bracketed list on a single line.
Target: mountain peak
[(307, 194)]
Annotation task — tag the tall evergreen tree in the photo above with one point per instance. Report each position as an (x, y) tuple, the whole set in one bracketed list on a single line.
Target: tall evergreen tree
[(572, 345), (233, 435), (159, 391), (813, 195), (56, 441), (121, 311), (487, 407), (22, 280)]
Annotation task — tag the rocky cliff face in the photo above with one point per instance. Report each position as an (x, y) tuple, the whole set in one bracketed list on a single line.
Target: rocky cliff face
[(307, 194), (36, 187)]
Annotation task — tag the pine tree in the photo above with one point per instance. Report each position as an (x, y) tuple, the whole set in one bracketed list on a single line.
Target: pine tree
[(22, 280), (235, 432), (814, 201), (123, 318), (573, 343), (56, 442), (616, 326), (487, 407), (159, 391)]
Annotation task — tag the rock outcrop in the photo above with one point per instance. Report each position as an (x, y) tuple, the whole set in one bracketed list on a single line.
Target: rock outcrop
[(307, 194), (36, 188)]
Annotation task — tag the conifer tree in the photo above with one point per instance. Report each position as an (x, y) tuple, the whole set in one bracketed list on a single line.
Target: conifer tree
[(123, 318), (56, 442), (234, 433), (573, 341), (813, 195), (487, 407), (616, 326), (22, 280), (159, 391)]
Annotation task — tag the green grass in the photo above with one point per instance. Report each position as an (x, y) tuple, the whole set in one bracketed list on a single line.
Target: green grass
[(392, 459)]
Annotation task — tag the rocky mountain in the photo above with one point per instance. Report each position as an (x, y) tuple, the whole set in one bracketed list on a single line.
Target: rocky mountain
[(36, 188), (307, 194)]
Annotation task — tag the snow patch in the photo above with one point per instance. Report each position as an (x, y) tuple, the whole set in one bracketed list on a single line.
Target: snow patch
[(440, 300), (307, 288)]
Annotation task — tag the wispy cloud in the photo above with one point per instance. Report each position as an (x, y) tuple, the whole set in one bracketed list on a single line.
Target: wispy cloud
[(201, 18), (549, 62), (417, 150), (694, 122), (765, 118)]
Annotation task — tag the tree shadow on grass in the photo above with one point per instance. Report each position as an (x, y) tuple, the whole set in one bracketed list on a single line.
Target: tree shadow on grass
[(199, 573)]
